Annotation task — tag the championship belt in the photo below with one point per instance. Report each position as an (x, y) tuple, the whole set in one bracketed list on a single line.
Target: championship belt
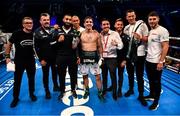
[(89, 57)]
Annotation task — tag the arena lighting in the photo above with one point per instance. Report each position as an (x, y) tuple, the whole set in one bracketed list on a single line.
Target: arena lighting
[(174, 12), (53, 20)]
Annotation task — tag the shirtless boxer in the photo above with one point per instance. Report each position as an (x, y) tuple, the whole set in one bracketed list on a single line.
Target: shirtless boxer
[(91, 51)]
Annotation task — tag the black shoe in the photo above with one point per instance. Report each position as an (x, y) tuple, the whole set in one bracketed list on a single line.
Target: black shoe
[(119, 93), (101, 96), (114, 96), (143, 102), (56, 88), (128, 93), (104, 92), (154, 106), (14, 103), (33, 97), (86, 94), (48, 95), (149, 97), (74, 94), (109, 89), (61, 96)]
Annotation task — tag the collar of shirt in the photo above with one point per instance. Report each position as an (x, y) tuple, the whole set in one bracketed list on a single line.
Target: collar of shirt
[(66, 30), (106, 34)]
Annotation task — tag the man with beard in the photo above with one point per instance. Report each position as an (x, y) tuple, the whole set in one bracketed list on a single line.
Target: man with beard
[(66, 55), (44, 42), (121, 54), (158, 44), (111, 41), (24, 58)]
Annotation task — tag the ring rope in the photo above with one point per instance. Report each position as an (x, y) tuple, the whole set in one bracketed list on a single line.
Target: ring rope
[(174, 38), (175, 47)]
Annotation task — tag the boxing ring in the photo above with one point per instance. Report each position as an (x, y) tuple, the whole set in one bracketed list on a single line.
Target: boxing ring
[(169, 101), (173, 57), (4, 37)]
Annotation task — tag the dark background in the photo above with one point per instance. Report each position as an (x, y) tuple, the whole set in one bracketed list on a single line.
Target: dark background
[(12, 11)]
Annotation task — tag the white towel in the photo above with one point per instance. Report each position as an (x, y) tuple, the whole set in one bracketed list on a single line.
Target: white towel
[(10, 67)]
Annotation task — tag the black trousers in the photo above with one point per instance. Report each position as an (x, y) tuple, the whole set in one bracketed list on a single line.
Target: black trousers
[(120, 75), (45, 69), (64, 62), (138, 66), (109, 64), (154, 77), (20, 66)]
